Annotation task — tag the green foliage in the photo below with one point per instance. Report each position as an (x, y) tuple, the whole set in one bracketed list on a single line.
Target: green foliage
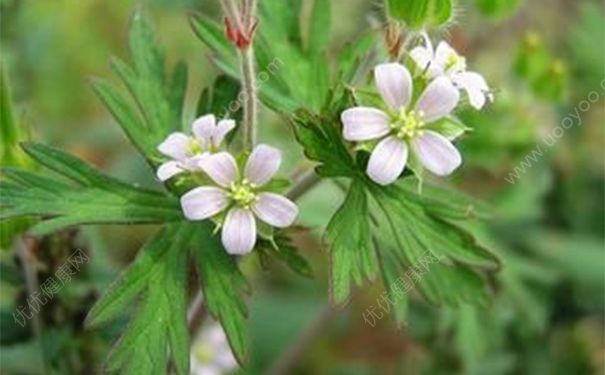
[(322, 142), (158, 273), (11, 132), (281, 248), (392, 229), (158, 97), (352, 257), (222, 285), (418, 14), (293, 67), (89, 197)]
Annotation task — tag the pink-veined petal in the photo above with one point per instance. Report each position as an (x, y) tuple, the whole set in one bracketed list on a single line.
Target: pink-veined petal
[(275, 210), (239, 231), (438, 100), (204, 127), (169, 169), (394, 83), (436, 153), (175, 145), (222, 128), (220, 167), (262, 164), (475, 86), (364, 123), (203, 202), (387, 161)]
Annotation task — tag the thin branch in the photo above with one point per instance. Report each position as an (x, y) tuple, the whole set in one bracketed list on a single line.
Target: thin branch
[(303, 184), (248, 71), (196, 313)]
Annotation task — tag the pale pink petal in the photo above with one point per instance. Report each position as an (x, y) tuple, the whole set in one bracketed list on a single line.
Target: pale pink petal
[(422, 56), (443, 53), (262, 164), (221, 130), (475, 86), (387, 161), (364, 123), (436, 153), (275, 210), (239, 231), (204, 127), (169, 169), (220, 167), (203, 202), (175, 145), (438, 100), (394, 83)]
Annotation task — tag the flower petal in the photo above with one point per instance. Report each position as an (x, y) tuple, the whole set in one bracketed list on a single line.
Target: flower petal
[(443, 53), (436, 153), (475, 86), (175, 145), (239, 231), (275, 210), (203, 202), (204, 127), (422, 56), (394, 83), (438, 99), (387, 161), (364, 123), (220, 167), (221, 130), (169, 169), (262, 164)]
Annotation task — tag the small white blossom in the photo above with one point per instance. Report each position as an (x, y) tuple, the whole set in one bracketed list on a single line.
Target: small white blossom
[(445, 61), (242, 196), (210, 353), (187, 151), (401, 127)]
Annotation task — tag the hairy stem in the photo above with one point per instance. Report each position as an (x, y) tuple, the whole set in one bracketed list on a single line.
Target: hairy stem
[(250, 96)]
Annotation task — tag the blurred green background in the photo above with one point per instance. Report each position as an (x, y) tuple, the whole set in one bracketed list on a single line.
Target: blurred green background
[(543, 58)]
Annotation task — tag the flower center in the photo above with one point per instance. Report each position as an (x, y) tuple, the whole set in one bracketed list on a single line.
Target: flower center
[(194, 147), (204, 353), (408, 125), (456, 62), (243, 193)]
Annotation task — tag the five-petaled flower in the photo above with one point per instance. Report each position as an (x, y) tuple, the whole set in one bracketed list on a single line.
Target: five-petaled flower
[(187, 151), (242, 196), (445, 61), (401, 127)]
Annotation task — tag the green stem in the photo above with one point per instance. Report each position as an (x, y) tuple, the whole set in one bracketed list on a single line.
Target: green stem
[(250, 96)]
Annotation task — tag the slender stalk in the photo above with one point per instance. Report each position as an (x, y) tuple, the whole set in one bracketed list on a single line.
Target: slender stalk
[(304, 183), (32, 286), (196, 313), (250, 96)]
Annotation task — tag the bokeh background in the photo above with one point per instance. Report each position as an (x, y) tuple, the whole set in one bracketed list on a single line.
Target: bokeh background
[(545, 60)]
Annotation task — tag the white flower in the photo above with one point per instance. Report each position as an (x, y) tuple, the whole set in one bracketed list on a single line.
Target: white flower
[(242, 196), (402, 127), (445, 61), (187, 151), (210, 353)]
